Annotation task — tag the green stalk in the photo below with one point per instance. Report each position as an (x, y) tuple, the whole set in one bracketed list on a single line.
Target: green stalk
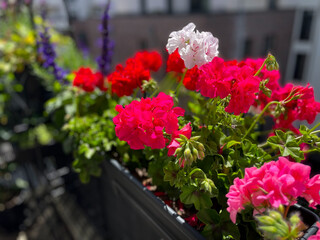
[(212, 109), (259, 70), (314, 128), (181, 83), (258, 118), (197, 170)]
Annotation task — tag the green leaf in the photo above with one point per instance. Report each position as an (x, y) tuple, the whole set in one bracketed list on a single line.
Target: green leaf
[(303, 130), (232, 143), (194, 108), (84, 177), (208, 216), (281, 135), (287, 145), (275, 141), (170, 172), (294, 152), (231, 229), (191, 195)]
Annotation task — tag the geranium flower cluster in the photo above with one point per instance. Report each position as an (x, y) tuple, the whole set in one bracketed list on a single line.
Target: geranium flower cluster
[(176, 64), (220, 78), (195, 48), (88, 81), (302, 106), (142, 123), (275, 183), (129, 77)]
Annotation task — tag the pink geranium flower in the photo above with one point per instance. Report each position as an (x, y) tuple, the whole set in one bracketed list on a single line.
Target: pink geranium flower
[(174, 144), (275, 183), (142, 123), (312, 193)]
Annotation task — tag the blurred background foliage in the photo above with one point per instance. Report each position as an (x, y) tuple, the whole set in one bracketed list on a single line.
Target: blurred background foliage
[(24, 85)]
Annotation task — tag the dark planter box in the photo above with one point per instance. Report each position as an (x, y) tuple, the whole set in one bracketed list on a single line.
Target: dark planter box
[(133, 212), (309, 218), (12, 218)]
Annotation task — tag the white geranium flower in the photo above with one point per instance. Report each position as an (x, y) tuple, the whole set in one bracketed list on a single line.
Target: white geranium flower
[(180, 39), (195, 48)]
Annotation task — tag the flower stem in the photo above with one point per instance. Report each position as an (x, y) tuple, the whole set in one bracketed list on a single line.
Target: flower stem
[(314, 128), (212, 109), (258, 210), (310, 150), (259, 70), (197, 170), (258, 118), (315, 132), (286, 211), (180, 83)]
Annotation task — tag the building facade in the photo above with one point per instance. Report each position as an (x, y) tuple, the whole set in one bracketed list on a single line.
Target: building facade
[(290, 29)]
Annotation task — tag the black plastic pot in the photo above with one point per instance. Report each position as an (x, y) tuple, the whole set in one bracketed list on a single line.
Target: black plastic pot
[(309, 218), (133, 212), (11, 218)]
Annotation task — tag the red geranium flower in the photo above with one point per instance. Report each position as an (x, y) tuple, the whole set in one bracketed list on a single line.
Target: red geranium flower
[(175, 63), (150, 60), (87, 80)]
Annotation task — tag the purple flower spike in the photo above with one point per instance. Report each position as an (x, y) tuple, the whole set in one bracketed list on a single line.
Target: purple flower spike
[(48, 55), (104, 61)]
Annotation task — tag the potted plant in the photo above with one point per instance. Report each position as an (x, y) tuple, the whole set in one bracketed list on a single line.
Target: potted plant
[(236, 178)]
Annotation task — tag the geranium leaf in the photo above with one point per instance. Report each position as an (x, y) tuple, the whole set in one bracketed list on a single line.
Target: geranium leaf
[(191, 195), (208, 216)]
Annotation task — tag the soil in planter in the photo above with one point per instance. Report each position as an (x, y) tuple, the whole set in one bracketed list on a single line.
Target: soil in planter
[(187, 213)]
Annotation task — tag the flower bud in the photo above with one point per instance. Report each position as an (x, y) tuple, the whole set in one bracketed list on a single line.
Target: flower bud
[(266, 220), (187, 154), (178, 151), (206, 186), (276, 216), (275, 226), (271, 230), (281, 209), (201, 155), (195, 153), (183, 137), (294, 219), (200, 147), (271, 63), (149, 86), (195, 138)]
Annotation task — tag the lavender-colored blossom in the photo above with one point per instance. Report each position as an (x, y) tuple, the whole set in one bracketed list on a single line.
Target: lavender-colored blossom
[(3, 5), (104, 60), (48, 55)]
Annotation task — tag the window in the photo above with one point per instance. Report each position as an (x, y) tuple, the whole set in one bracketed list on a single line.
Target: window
[(143, 6), (299, 67), (306, 25), (272, 4), (247, 48), (268, 44), (170, 6), (198, 6), (143, 44)]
